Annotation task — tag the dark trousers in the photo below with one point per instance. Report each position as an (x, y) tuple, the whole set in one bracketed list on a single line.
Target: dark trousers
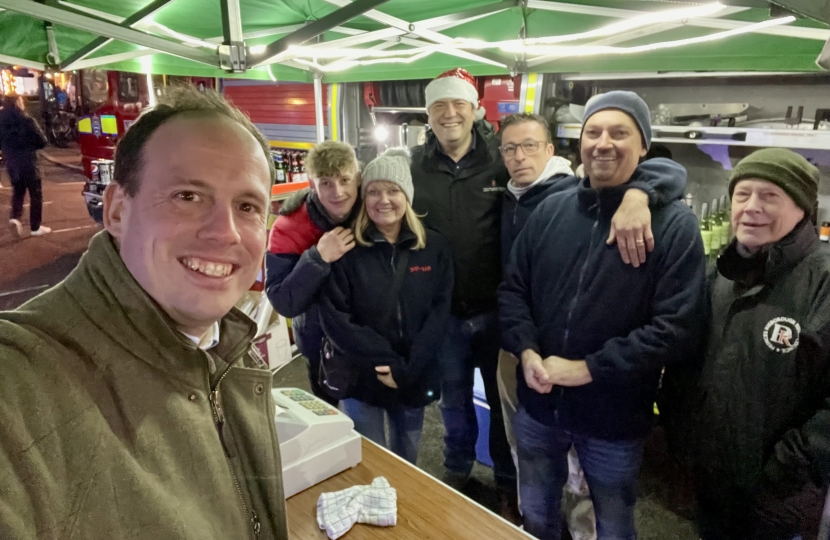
[(727, 514), (24, 177), (472, 343)]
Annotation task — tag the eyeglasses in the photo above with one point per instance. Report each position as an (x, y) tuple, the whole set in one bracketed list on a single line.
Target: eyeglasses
[(528, 147)]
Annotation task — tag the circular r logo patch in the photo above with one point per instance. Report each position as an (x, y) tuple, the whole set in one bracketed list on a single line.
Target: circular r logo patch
[(781, 334)]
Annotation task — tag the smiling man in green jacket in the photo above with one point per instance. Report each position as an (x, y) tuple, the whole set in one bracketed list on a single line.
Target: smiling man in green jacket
[(131, 403)]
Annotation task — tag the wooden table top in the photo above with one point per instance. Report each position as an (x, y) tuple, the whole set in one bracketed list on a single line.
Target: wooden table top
[(427, 508)]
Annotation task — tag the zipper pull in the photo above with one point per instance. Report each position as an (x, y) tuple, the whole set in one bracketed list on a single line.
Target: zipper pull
[(255, 524), (217, 407), (220, 420)]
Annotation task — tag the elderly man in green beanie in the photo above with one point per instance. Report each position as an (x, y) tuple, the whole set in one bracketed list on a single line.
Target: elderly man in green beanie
[(759, 421)]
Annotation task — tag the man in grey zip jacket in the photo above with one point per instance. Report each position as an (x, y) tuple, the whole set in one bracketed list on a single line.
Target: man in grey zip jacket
[(132, 404)]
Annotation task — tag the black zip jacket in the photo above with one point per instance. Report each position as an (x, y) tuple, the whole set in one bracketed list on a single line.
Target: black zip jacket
[(761, 409), (20, 139), (464, 206), (649, 177), (567, 293), (295, 271), (357, 296)]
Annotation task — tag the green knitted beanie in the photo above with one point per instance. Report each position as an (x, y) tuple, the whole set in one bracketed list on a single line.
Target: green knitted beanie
[(784, 168)]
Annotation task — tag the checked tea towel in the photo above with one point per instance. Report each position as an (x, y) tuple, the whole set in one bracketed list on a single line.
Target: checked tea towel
[(376, 504)]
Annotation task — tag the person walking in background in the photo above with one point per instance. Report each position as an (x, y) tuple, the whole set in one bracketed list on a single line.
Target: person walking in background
[(592, 332), (385, 310), (312, 231), (20, 139)]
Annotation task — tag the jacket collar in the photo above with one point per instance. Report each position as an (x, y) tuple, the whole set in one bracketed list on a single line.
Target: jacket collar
[(321, 218), (405, 238), (121, 309), (771, 263), (555, 168), (608, 199), (480, 155), (535, 189)]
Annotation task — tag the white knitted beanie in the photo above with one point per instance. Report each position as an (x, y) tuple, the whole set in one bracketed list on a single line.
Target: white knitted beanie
[(391, 166)]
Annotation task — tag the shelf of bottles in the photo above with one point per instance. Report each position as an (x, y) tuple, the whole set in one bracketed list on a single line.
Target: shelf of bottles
[(291, 176), (714, 219), (290, 165)]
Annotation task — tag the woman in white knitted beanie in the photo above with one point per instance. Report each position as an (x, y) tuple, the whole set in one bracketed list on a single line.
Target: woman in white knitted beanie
[(385, 309), (389, 175)]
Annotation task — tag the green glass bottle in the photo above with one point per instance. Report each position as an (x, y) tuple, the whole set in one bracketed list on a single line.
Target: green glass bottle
[(705, 229), (717, 228), (726, 218)]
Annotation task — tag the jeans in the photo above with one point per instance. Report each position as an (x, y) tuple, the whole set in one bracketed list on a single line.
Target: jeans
[(25, 177), (471, 343), (576, 503), (405, 426), (611, 469)]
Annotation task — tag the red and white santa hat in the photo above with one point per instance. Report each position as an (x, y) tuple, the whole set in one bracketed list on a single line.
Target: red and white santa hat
[(454, 84)]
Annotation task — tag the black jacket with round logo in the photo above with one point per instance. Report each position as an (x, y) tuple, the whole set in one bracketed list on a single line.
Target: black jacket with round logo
[(761, 410), (463, 204)]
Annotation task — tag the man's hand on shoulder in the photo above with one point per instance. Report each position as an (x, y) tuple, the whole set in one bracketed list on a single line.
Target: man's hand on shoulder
[(631, 228), (564, 372), (535, 374), (335, 243)]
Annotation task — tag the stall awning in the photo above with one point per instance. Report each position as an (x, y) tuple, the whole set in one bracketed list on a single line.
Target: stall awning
[(183, 37)]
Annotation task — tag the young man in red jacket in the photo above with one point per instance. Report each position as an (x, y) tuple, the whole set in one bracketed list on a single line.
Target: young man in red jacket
[(313, 231)]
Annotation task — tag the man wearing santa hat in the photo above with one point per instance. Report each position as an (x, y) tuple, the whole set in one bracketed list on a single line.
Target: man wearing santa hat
[(459, 183)]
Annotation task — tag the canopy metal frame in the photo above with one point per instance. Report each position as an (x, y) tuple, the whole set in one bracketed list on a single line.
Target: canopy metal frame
[(101, 41), (233, 56), (347, 12), (430, 35), (105, 28), (231, 53)]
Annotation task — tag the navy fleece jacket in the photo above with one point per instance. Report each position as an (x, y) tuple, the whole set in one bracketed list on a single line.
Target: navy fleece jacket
[(566, 293)]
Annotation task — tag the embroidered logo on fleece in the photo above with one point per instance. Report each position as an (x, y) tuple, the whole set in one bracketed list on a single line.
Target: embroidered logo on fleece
[(781, 334), (493, 188)]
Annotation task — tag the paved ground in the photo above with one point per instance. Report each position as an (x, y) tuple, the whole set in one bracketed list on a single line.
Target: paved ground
[(30, 265)]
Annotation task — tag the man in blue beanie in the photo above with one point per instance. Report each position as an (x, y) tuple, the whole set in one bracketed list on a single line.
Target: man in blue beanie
[(593, 334)]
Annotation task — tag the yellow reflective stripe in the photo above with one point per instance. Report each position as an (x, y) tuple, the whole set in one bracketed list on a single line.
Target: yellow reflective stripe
[(291, 145), (85, 125), (109, 125), (530, 94), (334, 112)]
